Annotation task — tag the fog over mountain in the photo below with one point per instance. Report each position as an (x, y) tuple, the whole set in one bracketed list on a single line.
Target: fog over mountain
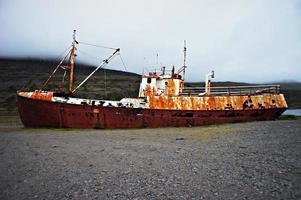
[(246, 41)]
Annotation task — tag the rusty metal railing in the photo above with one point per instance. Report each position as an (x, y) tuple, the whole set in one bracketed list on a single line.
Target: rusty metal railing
[(233, 90)]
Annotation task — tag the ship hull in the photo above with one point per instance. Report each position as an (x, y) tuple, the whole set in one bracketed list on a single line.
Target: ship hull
[(39, 113)]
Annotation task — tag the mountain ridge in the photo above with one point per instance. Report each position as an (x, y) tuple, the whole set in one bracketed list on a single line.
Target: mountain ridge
[(29, 74)]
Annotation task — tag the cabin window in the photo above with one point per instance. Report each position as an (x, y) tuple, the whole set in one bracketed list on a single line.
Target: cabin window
[(149, 80)]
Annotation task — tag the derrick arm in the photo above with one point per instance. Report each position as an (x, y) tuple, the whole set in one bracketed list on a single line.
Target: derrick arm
[(103, 63)]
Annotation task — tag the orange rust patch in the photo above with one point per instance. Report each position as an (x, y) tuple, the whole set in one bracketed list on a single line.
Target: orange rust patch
[(40, 95), (218, 102), (170, 87)]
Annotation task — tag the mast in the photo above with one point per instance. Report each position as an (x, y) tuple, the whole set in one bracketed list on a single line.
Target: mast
[(72, 64)]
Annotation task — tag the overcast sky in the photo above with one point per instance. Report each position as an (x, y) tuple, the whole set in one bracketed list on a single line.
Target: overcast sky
[(242, 40)]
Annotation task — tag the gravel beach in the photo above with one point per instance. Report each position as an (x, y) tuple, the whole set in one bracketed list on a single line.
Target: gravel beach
[(256, 160)]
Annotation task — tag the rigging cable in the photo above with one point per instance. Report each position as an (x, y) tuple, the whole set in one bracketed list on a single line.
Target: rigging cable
[(122, 62), (103, 63), (89, 55), (99, 46), (60, 55), (105, 81), (64, 52), (54, 71), (104, 69)]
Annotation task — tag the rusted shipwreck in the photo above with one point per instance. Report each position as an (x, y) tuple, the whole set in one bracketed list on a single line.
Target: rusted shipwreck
[(163, 101)]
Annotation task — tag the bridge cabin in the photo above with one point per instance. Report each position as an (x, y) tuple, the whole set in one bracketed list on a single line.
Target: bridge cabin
[(161, 84)]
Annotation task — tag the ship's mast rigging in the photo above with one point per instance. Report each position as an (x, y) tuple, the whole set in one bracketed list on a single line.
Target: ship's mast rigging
[(101, 65), (70, 56), (60, 65), (69, 67)]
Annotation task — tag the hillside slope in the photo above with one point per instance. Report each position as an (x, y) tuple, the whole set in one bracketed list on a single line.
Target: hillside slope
[(25, 74), (30, 74)]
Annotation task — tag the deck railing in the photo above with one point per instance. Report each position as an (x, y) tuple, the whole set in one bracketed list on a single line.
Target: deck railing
[(233, 90)]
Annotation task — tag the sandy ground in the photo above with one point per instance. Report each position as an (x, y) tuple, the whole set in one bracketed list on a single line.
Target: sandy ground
[(258, 160)]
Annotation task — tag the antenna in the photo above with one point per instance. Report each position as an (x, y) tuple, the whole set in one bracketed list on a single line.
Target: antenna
[(182, 69), (184, 54)]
